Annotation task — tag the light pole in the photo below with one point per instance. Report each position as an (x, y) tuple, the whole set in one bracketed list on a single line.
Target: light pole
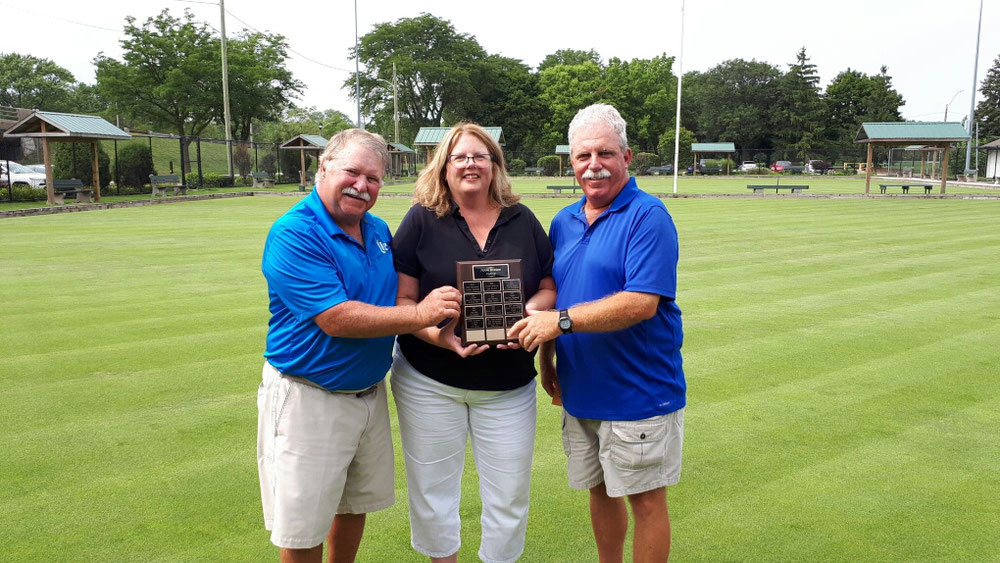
[(395, 101), (972, 98), (357, 69), (949, 103), (677, 120)]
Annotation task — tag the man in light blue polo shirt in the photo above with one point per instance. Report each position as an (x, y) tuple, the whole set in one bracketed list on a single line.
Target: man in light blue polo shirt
[(324, 449), (617, 336)]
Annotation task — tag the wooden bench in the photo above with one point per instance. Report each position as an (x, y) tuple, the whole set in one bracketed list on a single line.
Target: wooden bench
[(163, 182), (759, 188), (906, 187), (559, 189), (74, 187), (262, 180)]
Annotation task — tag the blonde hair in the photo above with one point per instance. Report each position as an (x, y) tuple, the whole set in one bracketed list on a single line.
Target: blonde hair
[(431, 189)]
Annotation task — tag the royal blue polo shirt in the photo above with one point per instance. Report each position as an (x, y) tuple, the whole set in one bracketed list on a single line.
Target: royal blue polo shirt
[(311, 264), (636, 372)]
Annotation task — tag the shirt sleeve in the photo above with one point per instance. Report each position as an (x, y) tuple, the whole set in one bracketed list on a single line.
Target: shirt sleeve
[(405, 242), (304, 278), (651, 254)]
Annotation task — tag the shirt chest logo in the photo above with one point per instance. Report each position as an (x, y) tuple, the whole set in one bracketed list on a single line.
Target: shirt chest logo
[(383, 246)]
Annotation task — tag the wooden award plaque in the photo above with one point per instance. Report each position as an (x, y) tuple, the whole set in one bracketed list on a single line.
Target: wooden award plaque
[(492, 299)]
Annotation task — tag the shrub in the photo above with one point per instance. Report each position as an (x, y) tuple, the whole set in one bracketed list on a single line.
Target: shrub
[(242, 160), (22, 192), (549, 165), (135, 164), (75, 160), (643, 161), (517, 167), (268, 163)]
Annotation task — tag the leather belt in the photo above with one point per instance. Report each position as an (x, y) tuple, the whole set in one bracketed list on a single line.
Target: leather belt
[(363, 393)]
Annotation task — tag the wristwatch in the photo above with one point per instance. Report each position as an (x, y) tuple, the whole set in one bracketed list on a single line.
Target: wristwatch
[(565, 323)]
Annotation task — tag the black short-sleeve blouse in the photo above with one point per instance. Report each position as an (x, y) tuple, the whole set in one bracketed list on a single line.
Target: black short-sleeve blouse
[(426, 247)]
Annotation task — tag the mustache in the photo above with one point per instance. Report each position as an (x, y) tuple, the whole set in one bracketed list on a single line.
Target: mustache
[(353, 192), (598, 175)]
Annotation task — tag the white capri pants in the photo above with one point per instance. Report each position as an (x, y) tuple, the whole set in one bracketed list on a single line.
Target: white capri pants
[(434, 422)]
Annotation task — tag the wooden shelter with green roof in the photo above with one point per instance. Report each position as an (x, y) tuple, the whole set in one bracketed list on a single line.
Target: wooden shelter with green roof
[(563, 150), (939, 134), (66, 127), (402, 158), (712, 148), (429, 137), (303, 143)]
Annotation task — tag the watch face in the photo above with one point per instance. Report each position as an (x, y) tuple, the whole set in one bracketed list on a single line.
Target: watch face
[(564, 324)]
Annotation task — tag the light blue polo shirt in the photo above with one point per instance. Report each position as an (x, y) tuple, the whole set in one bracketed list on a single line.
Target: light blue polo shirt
[(311, 264), (636, 372)]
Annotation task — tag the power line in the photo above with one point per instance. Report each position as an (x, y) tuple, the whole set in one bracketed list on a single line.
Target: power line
[(237, 18), (50, 16)]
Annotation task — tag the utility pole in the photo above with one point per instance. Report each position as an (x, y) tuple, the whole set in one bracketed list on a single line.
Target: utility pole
[(677, 120), (225, 91), (357, 71), (395, 102), (972, 99)]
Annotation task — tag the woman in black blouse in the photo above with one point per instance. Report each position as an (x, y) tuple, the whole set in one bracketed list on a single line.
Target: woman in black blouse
[(445, 392)]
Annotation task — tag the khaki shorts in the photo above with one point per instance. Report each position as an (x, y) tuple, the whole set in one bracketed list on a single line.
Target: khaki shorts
[(319, 454), (628, 456)]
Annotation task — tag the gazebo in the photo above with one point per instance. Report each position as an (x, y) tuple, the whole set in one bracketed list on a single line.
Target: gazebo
[(562, 150), (938, 134), (711, 148), (429, 137), (66, 127), (303, 143), (992, 160), (401, 157)]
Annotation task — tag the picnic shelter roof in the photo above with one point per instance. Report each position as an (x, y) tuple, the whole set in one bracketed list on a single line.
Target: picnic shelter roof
[(562, 149), (431, 136), (993, 146), (910, 131), (713, 147), (305, 142), (65, 127), (399, 147)]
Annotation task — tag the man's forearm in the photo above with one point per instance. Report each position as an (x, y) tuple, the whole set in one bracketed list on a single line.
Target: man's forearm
[(614, 312), (354, 319)]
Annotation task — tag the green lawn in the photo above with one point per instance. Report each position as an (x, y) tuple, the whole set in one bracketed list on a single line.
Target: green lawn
[(841, 356)]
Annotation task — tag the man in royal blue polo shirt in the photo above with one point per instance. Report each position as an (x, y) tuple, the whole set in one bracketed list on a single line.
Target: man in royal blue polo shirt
[(324, 450), (617, 336)]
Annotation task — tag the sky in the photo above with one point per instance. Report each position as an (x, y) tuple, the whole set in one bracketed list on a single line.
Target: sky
[(928, 46)]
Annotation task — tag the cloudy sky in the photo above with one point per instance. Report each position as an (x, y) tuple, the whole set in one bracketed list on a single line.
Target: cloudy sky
[(928, 46)]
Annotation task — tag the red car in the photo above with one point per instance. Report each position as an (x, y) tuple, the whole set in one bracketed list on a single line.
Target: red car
[(780, 165)]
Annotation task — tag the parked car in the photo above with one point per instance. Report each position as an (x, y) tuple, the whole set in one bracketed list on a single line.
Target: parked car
[(787, 166), (748, 165), (22, 175), (40, 168), (664, 170)]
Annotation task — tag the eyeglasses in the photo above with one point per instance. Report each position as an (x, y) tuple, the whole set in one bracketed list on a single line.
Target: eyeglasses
[(463, 159)]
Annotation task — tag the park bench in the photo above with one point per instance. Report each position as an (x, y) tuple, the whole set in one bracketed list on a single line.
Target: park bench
[(759, 188), (906, 187), (533, 171), (559, 189), (262, 180), (163, 182), (74, 187)]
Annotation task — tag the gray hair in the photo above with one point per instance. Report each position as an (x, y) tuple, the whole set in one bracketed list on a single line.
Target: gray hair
[(600, 114), (366, 139)]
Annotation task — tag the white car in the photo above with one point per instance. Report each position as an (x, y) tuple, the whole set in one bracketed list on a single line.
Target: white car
[(748, 165), (22, 175)]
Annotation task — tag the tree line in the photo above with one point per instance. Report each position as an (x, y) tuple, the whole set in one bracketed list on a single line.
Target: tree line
[(169, 79)]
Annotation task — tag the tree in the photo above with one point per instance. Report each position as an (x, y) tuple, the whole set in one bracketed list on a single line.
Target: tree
[(799, 119), (666, 147), (434, 64), (854, 98), (30, 82), (569, 57), (171, 76), (735, 102), (565, 89), (988, 109), (644, 91), (507, 95), (260, 87)]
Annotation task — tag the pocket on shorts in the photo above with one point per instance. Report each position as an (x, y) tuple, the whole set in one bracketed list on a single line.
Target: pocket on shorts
[(282, 387), (638, 443), (565, 437)]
